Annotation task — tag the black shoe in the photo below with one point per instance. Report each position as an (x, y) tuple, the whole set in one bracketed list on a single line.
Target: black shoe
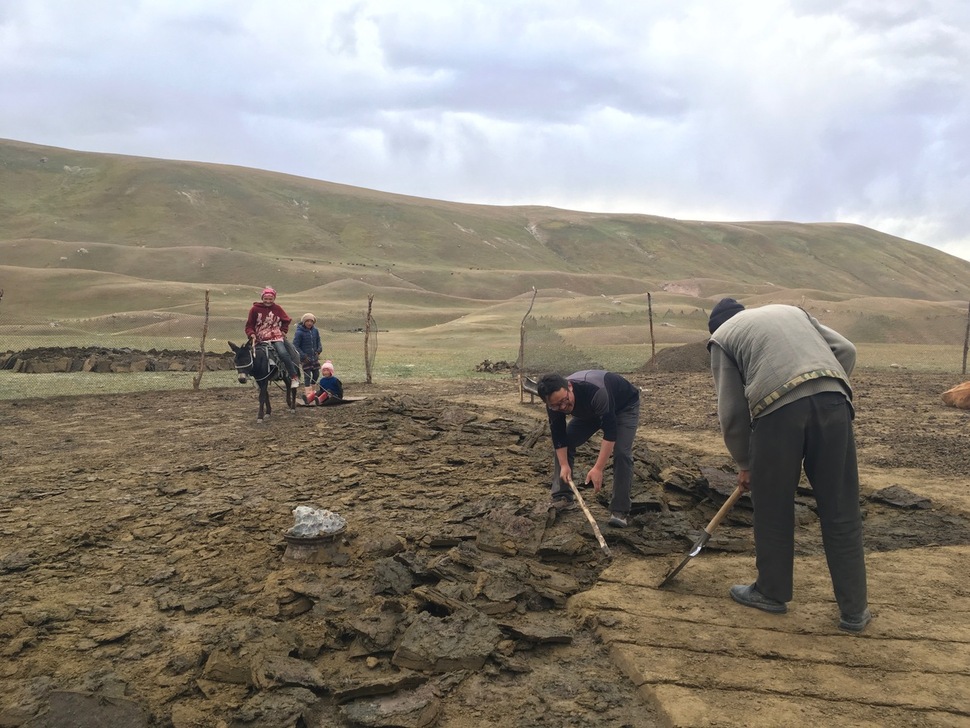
[(855, 622), (749, 596)]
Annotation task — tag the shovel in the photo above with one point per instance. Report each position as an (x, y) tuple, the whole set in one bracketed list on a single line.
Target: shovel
[(704, 537), (589, 517)]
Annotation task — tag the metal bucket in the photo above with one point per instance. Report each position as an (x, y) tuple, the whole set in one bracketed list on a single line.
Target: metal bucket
[(329, 548)]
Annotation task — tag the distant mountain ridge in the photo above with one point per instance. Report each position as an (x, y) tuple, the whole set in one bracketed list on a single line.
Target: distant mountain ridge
[(89, 234), (55, 194)]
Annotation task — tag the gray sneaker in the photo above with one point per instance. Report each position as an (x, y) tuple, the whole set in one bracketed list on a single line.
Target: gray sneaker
[(749, 596), (617, 520), (855, 622)]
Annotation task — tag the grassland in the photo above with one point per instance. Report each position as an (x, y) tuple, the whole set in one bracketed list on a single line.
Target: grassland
[(118, 251)]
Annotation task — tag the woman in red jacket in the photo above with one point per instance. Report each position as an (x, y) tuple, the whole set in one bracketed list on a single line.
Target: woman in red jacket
[(268, 322)]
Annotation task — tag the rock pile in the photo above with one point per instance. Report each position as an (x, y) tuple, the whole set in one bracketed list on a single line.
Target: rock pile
[(451, 565), (105, 360)]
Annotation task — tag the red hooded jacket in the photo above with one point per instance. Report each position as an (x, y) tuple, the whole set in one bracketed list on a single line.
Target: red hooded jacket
[(267, 322)]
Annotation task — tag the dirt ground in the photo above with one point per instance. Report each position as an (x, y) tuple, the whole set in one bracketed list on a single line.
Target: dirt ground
[(145, 579)]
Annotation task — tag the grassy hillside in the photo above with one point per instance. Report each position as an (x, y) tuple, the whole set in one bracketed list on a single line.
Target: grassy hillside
[(96, 246)]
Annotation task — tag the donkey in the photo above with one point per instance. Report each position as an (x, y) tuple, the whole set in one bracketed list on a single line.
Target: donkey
[(253, 360)]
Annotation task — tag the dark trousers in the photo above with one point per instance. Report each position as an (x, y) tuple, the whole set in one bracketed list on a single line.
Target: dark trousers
[(816, 431), (311, 372), (579, 431)]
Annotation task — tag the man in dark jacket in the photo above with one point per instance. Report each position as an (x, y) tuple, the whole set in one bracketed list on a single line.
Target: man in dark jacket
[(597, 400), (784, 400)]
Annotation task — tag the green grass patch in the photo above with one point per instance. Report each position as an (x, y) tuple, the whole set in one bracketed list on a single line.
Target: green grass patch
[(922, 357)]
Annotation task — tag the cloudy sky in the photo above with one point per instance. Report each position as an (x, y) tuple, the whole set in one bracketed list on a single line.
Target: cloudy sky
[(805, 110)]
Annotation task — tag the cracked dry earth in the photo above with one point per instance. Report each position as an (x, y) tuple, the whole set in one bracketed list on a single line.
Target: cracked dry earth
[(145, 581)]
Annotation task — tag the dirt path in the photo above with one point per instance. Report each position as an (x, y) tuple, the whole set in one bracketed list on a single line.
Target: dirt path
[(141, 557)]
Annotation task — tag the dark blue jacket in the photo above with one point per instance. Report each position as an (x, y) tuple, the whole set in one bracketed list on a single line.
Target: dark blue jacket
[(332, 386), (307, 342)]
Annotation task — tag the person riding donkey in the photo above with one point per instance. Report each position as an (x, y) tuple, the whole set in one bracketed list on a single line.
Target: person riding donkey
[(268, 323), (307, 343)]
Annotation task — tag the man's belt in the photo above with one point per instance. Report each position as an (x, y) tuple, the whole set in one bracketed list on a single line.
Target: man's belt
[(784, 389)]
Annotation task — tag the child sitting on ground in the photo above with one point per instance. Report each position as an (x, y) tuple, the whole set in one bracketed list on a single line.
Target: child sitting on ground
[(329, 387)]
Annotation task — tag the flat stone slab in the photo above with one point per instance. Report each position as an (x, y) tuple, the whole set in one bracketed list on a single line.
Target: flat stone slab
[(705, 661)]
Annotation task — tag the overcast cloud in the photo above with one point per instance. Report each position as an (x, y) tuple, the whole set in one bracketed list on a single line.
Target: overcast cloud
[(804, 110)]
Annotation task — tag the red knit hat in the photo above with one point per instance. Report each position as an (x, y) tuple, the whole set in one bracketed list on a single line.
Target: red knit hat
[(268, 291)]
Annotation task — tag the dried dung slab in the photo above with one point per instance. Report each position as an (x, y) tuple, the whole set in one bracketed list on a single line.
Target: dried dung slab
[(900, 497), (87, 710)]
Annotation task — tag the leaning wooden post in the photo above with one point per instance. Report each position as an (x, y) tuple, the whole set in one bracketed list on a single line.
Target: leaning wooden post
[(966, 339), (653, 344), (367, 367), (197, 379), (521, 361)]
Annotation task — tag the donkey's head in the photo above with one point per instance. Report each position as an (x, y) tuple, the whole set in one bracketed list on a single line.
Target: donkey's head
[(243, 360)]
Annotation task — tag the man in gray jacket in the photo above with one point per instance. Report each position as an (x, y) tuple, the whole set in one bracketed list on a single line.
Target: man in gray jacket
[(784, 400)]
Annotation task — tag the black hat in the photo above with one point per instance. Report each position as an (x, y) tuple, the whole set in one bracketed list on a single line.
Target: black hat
[(722, 311)]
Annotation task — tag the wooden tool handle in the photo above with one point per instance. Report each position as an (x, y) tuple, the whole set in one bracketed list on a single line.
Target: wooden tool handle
[(589, 517), (719, 516)]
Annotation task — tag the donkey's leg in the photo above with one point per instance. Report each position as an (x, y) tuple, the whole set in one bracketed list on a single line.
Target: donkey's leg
[(263, 404)]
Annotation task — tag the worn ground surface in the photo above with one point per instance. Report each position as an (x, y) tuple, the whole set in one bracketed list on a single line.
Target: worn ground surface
[(143, 578)]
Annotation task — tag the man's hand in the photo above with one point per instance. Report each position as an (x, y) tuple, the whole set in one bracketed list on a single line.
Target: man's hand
[(565, 473), (744, 480), (595, 476)]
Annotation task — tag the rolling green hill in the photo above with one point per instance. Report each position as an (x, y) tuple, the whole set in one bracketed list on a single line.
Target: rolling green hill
[(105, 243)]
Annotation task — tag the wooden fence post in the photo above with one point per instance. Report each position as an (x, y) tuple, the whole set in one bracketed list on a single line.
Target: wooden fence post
[(653, 344), (521, 361), (367, 360), (966, 341), (197, 379)]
